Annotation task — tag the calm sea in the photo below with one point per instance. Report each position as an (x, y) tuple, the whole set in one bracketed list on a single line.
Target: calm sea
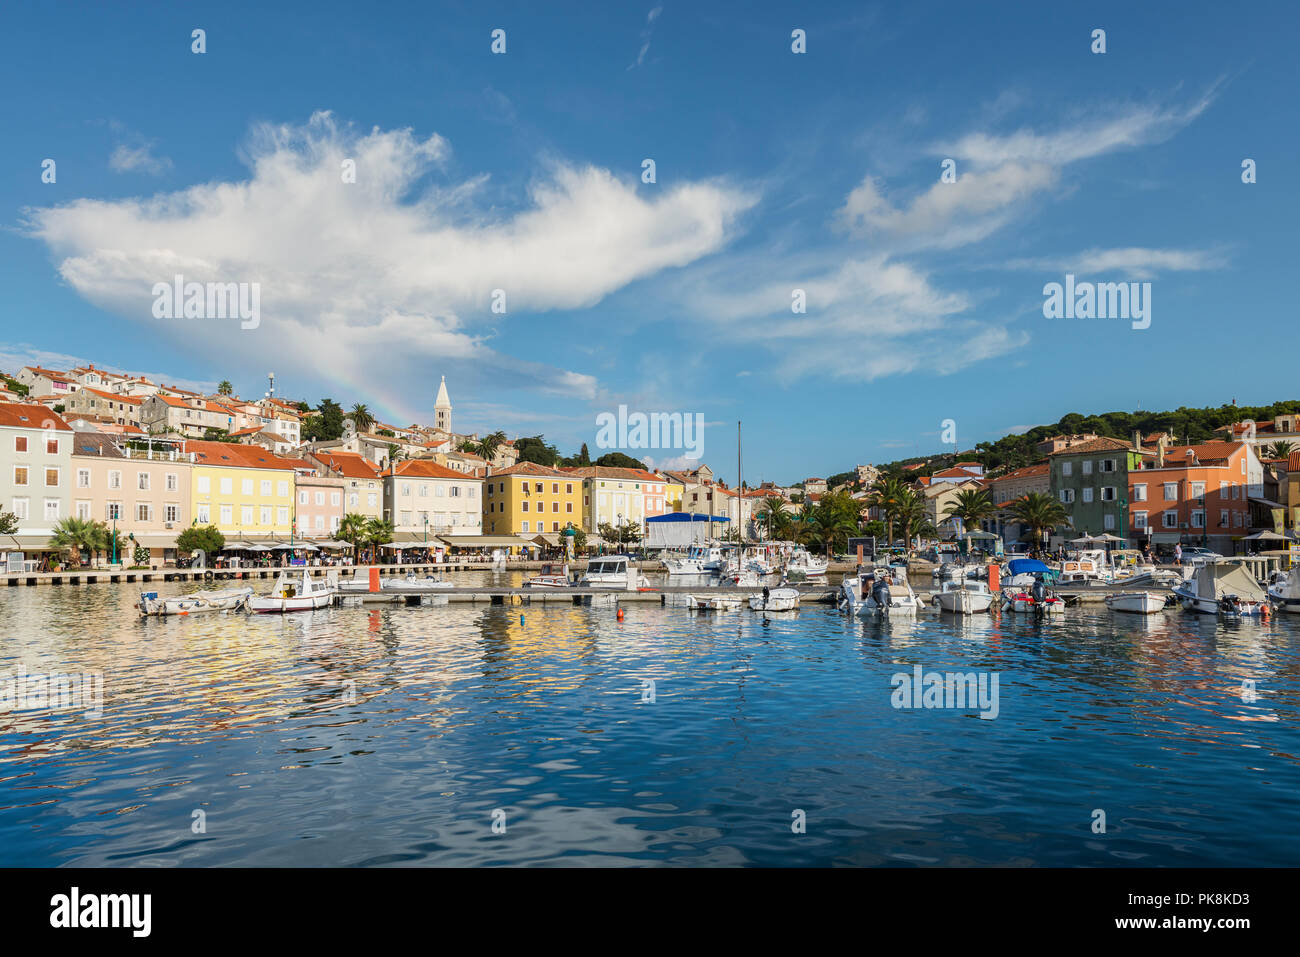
[(467, 735)]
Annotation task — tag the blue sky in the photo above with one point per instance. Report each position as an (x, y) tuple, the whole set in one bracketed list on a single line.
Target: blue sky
[(775, 171)]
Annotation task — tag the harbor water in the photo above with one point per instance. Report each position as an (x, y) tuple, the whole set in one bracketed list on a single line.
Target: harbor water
[(477, 734)]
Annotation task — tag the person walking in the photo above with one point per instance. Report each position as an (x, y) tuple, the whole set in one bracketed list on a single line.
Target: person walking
[(1178, 554)]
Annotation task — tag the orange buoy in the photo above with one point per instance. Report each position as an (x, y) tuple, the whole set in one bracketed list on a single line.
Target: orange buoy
[(620, 614)]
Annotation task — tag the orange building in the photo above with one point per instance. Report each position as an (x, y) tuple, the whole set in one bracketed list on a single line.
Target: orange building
[(1195, 495)]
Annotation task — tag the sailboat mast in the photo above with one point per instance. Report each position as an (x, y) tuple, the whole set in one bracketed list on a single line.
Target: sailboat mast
[(740, 501)]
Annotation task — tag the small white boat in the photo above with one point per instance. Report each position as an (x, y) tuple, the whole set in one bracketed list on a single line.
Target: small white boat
[(746, 579), (227, 599), (412, 583), (775, 599), (294, 592), (801, 563), (698, 560), (1285, 591), (713, 602), (1137, 602), (1088, 567), (1025, 603), (554, 575), (1223, 588), (614, 571), (877, 591), (964, 596)]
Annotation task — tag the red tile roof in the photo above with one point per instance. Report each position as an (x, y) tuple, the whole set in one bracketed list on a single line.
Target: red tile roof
[(349, 464), (19, 416), (1101, 444), (423, 468), (232, 455), (532, 468)]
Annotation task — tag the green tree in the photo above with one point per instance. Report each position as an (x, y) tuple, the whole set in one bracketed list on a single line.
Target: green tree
[(535, 449), (491, 444), (201, 538), (770, 510), (379, 531), (1040, 512), (361, 417), (75, 534), (888, 494), (1279, 449), (618, 460), (8, 523), (225, 388), (972, 506), (352, 529), (326, 425)]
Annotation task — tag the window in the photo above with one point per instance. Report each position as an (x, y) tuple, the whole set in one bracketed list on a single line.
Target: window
[(83, 478), (1171, 491), (1107, 465), (1067, 468), (1223, 518), (20, 475), (227, 486), (51, 509), (83, 509), (143, 512), (405, 518), (455, 491), (371, 499), (352, 499), (204, 516), (1198, 519), (1087, 494), (245, 486), (555, 526), (20, 508), (282, 515), (51, 478), (424, 489), (406, 489), (555, 488), (1108, 522), (266, 514), (52, 447), (1067, 495), (142, 481), (336, 498), (173, 482), (523, 526), (1169, 519), (568, 488), (469, 492), (555, 506), (1087, 466), (302, 497), (205, 485), (1198, 490), (440, 491), (1108, 493), (282, 489), (266, 486), (1139, 493), (523, 507), (320, 498), (246, 515), (227, 514), (320, 523), (20, 443), (172, 513), (568, 506), (115, 479), (1139, 520)]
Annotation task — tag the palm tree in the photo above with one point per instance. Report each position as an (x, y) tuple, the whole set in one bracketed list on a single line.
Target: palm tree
[(361, 417), (488, 447), (832, 520), (1041, 512), (888, 494), (1279, 449), (224, 387), (379, 531), (352, 529), (78, 534), (467, 446), (770, 508), (972, 506), (912, 518)]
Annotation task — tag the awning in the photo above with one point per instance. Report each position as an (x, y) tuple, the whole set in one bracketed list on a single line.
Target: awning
[(331, 543), (1264, 501), (26, 543), (547, 538), (485, 541), (155, 540), (1166, 538)]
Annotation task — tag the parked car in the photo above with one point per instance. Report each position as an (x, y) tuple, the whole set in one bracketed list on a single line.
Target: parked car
[(1196, 551)]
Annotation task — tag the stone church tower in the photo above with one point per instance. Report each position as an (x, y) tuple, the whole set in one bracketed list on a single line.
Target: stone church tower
[(442, 409)]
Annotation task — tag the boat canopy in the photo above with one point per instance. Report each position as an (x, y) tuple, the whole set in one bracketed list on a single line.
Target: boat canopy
[(1026, 566), (1215, 581)]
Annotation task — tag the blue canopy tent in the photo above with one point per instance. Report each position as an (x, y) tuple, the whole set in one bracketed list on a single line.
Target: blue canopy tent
[(681, 529), (1027, 566)]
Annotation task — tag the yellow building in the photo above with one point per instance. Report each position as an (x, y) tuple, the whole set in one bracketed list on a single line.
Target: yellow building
[(528, 499), (673, 492), (244, 490)]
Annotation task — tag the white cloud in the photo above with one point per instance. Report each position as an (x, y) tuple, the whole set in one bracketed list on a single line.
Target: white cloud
[(998, 174), (126, 159), (1133, 262), (646, 34), (388, 273)]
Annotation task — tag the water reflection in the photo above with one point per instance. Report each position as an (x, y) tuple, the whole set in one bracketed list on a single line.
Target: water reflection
[(387, 735)]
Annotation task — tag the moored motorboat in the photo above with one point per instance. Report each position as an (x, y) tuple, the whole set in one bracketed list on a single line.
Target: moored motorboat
[(554, 575), (226, 599), (614, 571), (1136, 602), (698, 560), (964, 596), (294, 592), (713, 602), (1223, 588), (1285, 591), (775, 599)]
